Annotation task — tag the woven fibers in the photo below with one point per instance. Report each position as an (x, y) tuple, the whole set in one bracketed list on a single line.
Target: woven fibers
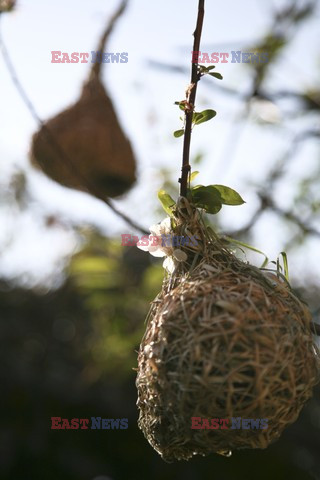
[(224, 340), (84, 146)]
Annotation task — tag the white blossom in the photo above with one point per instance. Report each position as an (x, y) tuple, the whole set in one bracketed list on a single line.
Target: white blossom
[(162, 249)]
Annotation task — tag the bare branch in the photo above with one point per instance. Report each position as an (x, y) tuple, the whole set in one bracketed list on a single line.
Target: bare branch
[(191, 97), (51, 138)]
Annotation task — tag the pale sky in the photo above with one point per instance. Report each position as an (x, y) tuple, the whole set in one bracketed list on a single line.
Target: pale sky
[(144, 98)]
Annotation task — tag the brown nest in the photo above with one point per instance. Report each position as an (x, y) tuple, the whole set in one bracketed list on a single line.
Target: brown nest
[(92, 151), (84, 147), (7, 5), (223, 340)]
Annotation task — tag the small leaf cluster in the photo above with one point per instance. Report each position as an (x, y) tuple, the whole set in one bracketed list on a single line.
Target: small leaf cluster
[(212, 197), (198, 117), (207, 197), (203, 70)]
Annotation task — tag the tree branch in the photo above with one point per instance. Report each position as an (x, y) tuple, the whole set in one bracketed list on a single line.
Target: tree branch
[(96, 68), (191, 97), (287, 214), (51, 138)]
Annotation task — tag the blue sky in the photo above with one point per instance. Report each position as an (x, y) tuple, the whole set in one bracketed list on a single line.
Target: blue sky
[(143, 97)]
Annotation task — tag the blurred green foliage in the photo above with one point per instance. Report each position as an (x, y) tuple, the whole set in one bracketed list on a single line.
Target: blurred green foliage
[(71, 353), (115, 283)]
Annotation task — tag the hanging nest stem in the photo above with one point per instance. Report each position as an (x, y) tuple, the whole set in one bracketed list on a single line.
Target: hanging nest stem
[(84, 146), (223, 340)]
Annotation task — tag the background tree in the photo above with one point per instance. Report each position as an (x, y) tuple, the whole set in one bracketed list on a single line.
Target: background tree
[(72, 300)]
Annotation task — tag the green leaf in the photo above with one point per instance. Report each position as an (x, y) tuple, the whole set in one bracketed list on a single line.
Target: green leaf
[(204, 69), (193, 175), (208, 198), (204, 116), (250, 247), (229, 196), (285, 265), (196, 116), (198, 158), (167, 201), (216, 75), (182, 105), (178, 133)]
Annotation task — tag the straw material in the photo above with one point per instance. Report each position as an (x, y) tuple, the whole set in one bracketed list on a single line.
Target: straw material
[(223, 340), (7, 5), (95, 150)]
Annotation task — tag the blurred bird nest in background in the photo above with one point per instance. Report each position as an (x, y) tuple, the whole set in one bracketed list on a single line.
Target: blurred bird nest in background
[(84, 147)]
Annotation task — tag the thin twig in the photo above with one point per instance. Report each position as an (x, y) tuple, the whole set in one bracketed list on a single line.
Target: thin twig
[(96, 68), (191, 97), (61, 154), (287, 214)]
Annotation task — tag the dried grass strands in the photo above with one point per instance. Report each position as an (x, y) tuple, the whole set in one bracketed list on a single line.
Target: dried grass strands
[(223, 340)]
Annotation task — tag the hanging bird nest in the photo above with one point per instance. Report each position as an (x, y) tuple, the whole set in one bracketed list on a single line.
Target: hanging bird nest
[(224, 340), (7, 5), (89, 135), (84, 147)]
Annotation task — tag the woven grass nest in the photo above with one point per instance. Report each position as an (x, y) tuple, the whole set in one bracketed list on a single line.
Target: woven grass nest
[(90, 136), (223, 339), (84, 147)]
